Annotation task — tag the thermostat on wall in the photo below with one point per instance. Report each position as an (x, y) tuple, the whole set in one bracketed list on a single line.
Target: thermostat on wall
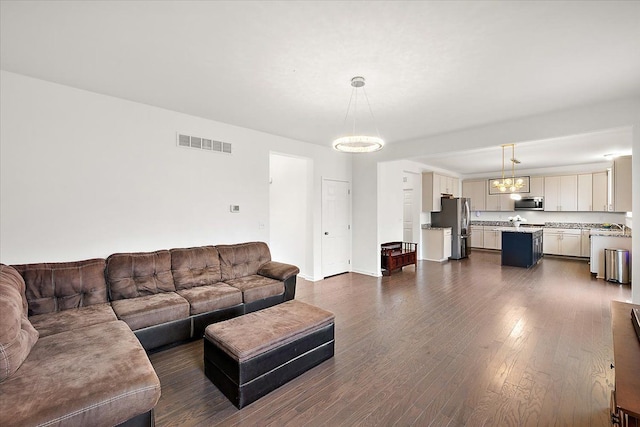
[(234, 208)]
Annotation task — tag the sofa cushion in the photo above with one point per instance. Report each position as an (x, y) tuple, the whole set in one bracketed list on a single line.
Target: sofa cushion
[(60, 286), (68, 320), (256, 287), (211, 297), (94, 376), (17, 335), (132, 275), (151, 309), (195, 267), (243, 259)]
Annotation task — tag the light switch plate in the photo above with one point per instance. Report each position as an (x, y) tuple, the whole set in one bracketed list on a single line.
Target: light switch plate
[(234, 208)]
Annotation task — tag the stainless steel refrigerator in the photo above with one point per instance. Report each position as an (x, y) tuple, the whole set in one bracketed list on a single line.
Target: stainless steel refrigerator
[(455, 213)]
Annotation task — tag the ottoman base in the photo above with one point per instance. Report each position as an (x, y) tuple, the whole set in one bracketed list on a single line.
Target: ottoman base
[(245, 382)]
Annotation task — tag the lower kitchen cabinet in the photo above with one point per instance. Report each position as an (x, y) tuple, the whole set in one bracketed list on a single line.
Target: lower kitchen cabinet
[(437, 243), (492, 239), (477, 236), (562, 241), (585, 243)]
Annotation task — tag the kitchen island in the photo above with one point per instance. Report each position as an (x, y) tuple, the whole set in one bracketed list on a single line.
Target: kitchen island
[(521, 247)]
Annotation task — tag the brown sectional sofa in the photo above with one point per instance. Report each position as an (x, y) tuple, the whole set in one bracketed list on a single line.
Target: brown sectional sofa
[(67, 328)]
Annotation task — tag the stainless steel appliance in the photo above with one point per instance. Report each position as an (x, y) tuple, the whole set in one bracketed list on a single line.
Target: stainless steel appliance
[(529, 204), (455, 213)]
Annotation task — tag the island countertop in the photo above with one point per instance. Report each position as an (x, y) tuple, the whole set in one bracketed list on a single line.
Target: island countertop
[(518, 230)]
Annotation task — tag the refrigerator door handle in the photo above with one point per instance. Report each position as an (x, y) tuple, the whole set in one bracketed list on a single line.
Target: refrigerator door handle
[(467, 216)]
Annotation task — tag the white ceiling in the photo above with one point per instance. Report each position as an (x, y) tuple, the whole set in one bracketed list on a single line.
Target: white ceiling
[(285, 67)]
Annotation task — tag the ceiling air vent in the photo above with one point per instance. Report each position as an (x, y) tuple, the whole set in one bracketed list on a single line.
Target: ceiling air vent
[(200, 143)]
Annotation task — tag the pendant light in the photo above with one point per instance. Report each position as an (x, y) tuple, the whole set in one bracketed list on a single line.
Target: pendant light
[(507, 184), (358, 143)]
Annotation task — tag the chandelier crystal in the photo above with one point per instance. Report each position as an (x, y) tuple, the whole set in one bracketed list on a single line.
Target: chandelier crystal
[(356, 143), (512, 184)]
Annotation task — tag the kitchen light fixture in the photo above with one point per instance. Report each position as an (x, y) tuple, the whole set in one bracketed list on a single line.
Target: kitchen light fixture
[(512, 184), (355, 143)]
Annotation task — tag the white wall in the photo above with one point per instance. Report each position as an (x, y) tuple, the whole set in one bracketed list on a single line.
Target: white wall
[(390, 199), (86, 175), (289, 209), (365, 249), (635, 261)]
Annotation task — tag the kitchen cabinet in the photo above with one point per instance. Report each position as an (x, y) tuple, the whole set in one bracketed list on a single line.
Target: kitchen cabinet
[(449, 185), (492, 238), (622, 184), (600, 192), (585, 243), (562, 241), (536, 186), (437, 243), (499, 202), (585, 192), (477, 236), (561, 193), (433, 186), (476, 191)]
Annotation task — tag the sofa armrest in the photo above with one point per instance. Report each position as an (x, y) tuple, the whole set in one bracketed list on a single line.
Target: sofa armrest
[(285, 272), (278, 270)]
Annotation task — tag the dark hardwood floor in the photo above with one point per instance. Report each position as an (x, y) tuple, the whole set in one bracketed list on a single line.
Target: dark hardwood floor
[(461, 343)]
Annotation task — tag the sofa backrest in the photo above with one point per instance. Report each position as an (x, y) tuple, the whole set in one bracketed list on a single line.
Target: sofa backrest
[(17, 335), (57, 286), (131, 275), (243, 259), (195, 266)]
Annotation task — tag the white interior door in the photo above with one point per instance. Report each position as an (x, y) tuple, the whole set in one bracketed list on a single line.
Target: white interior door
[(336, 227), (407, 216)]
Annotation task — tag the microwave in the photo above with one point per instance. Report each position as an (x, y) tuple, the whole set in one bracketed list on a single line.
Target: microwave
[(529, 204)]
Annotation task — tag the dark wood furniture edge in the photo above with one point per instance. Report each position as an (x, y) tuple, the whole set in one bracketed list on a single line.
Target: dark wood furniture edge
[(626, 354)]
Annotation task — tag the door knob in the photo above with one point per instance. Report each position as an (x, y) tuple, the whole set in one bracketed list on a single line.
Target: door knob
[(326, 233)]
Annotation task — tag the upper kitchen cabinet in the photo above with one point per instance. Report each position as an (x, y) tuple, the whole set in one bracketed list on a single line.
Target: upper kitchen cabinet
[(561, 193), (476, 191), (536, 186), (622, 184), (600, 196), (449, 185), (499, 202), (585, 192), (434, 186)]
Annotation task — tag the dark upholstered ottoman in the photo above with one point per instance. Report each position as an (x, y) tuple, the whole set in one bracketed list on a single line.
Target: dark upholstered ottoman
[(251, 355)]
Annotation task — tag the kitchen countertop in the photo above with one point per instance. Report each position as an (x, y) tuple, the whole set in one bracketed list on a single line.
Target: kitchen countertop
[(431, 227), (519, 229), (608, 233), (597, 229)]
